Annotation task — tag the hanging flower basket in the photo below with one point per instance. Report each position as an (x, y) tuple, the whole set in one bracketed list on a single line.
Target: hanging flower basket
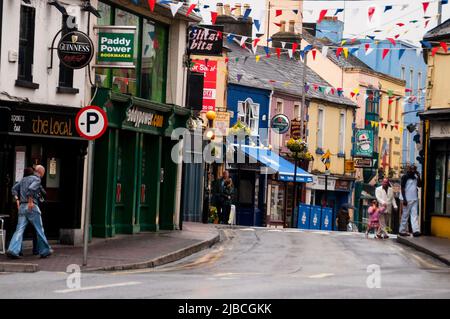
[(240, 130)]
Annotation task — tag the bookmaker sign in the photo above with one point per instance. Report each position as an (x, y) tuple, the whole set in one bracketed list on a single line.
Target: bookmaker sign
[(75, 50), (115, 46)]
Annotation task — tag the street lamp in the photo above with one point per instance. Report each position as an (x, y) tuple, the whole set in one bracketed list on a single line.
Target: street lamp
[(209, 135)]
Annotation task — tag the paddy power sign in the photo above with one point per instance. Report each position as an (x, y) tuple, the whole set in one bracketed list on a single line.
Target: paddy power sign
[(116, 47)]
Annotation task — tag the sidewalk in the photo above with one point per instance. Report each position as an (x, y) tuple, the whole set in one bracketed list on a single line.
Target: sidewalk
[(434, 246), (143, 250)]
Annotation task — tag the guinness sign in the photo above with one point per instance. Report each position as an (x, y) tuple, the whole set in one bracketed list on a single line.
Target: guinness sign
[(75, 50)]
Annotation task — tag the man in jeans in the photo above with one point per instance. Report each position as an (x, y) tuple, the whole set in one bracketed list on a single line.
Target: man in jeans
[(410, 183), (27, 193)]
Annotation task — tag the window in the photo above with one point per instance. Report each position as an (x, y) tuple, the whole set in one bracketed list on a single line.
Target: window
[(403, 73), (26, 43), (407, 158), (296, 111), (397, 109), (279, 107), (442, 183), (390, 108), (248, 113), (372, 101), (390, 152), (65, 73), (103, 75), (419, 82), (320, 127), (342, 132), (411, 80)]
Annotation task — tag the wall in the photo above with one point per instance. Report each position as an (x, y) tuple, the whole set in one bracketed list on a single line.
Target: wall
[(331, 29), (440, 226), (437, 78)]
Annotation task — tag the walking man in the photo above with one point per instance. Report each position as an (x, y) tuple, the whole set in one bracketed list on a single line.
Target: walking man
[(27, 193), (385, 197), (410, 197)]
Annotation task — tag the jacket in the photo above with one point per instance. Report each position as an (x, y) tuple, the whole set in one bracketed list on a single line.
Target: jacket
[(384, 198)]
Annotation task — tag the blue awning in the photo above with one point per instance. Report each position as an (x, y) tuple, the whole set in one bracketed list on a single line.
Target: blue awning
[(278, 164)]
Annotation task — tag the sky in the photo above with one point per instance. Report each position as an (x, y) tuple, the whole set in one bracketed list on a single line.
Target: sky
[(357, 23)]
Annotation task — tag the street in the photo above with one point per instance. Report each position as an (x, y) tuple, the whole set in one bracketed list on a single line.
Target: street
[(260, 263)]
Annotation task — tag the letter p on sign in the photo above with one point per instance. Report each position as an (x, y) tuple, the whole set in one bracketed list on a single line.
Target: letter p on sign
[(91, 122)]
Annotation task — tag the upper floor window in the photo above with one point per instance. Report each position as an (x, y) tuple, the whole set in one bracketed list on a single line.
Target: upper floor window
[(419, 82), (403, 73), (26, 43), (372, 101), (248, 113), (279, 107), (320, 127), (397, 109), (342, 132), (65, 73), (411, 80), (297, 111)]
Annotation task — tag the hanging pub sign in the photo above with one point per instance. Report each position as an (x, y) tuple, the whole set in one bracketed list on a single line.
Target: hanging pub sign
[(75, 50), (206, 40), (363, 143), (296, 129), (116, 47), (280, 123)]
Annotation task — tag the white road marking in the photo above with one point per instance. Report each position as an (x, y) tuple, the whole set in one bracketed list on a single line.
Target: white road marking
[(319, 276), (123, 284), (275, 230), (247, 229)]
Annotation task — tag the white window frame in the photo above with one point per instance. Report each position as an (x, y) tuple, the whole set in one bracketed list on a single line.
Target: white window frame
[(419, 82), (403, 73), (320, 126), (342, 122), (299, 112), (248, 113), (411, 80), (279, 102)]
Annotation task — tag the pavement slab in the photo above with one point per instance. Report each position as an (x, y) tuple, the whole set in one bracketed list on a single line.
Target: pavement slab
[(434, 246)]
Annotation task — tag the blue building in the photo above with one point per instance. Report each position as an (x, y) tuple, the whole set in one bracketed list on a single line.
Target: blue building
[(405, 63)]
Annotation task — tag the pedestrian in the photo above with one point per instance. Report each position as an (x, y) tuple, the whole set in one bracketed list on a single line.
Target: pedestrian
[(410, 199), (374, 219), (228, 193), (343, 218), (219, 196), (385, 198), (27, 194)]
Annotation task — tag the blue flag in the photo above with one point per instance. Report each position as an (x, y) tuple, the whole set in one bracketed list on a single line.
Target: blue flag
[(387, 8), (400, 53), (426, 44), (257, 24), (247, 13), (230, 37), (353, 50), (338, 11)]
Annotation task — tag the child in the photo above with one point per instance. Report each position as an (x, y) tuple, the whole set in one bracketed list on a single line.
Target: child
[(374, 220)]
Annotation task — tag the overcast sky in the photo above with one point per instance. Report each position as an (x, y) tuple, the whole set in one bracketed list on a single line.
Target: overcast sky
[(357, 24)]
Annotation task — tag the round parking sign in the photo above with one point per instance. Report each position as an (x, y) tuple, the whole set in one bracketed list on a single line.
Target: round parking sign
[(91, 122)]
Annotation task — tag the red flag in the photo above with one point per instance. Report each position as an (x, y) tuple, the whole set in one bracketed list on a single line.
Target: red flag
[(219, 34), (278, 13), (338, 51), (400, 24), (151, 4), (278, 52), (366, 46), (332, 91), (371, 12), (391, 100), (444, 46), (213, 17), (191, 8), (367, 122), (322, 15), (294, 46), (408, 90), (425, 6), (426, 23), (314, 52), (385, 52), (352, 94), (256, 41), (396, 126), (434, 50), (315, 87), (396, 36), (392, 41), (227, 60), (277, 24)]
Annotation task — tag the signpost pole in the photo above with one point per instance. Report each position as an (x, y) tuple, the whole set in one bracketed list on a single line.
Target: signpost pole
[(88, 205), (294, 195)]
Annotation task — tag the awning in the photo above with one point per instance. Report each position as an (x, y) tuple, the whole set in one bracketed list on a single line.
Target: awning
[(278, 164)]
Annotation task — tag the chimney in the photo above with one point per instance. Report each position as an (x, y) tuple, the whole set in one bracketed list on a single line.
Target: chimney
[(219, 9), (292, 26), (238, 10), (246, 6), (227, 10), (283, 26), (289, 36)]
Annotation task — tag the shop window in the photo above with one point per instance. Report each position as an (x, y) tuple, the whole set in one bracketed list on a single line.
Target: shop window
[(103, 75), (26, 43), (372, 101), (125, 80), (248, 113), (442, 184), (65, 73), (277, 206)]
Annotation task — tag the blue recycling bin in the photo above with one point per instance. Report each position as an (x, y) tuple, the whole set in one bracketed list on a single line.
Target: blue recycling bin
[(315, 218), (327, 219), (304, 216)]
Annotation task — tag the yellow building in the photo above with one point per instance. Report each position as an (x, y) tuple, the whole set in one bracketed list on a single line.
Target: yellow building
[(436, 136)]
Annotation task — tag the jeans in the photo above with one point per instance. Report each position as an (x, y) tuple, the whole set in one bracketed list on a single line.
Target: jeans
[(410, 211), (25, 217)]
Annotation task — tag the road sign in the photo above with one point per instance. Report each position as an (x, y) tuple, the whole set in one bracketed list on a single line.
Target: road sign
[(363, 163), (326, 159), (91, 122)]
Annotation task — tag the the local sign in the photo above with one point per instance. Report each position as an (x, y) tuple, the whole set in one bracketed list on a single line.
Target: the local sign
[(116, 47), (280, 123), (75, 50), (363, 143)]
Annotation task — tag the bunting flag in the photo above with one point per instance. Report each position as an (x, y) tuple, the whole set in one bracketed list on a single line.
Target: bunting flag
[(278, 50), (371, 12), (340, 91), (290, 53), (277, 24), (387, 8), (151, 4), (325, 51), (426, 23), (283, 45), (345, 52), (257, 58), (278, 13), (247, 13), (213, 17), (230, 37), (400, 24), (267, 50), (426, 44), (257, 24), (243, 40), (338, 52), (295, 11), (400, 53), (239, 77), (366, 46), (392, 41), (294, 46), (353, 50), (322, 15), (434, 50), (306, 88), (191, 8), (444, 46), (425, 6), (338, 11), (369, 51), (314, 52), (255, 42), (302, 54)]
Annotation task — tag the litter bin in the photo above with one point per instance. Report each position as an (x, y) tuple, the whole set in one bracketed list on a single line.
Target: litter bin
[(304, 216), (327, 219), (315, 219)]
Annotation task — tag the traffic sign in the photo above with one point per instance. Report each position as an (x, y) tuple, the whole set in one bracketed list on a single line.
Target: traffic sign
[(326, 159), (91, 122)]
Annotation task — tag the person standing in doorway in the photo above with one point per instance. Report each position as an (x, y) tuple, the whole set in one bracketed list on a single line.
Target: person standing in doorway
[(410, 198), (27, 194), (218, 195), (385, 198), (228, 193)]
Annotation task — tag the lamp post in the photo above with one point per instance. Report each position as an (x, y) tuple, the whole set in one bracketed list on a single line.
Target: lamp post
[(209, 136)]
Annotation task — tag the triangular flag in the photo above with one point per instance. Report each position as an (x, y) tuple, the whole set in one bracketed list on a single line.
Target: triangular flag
[(434, 50), (343, 42), (256, 41), (444, 46), (151, 4), (371, 12), (278, 13), (426, 23), (396, 36), (257, 24), (322, 15), (191, 8), (392, 41), (425, 6), (230, 37), (302, 54), (324, 51), (278, 50), (247, 13), (294, 46), (338, 11), (295, 11), (213, 17), (385, 53), (338, 51), (353, 50), (345, 52), (267, 50), (387, 8), (400, 53), (366, 46), (369, 51), (283, 44), (239, 77), (400, 24), (314, 52), (277, 24), (257, 58), (243, 40), (174, 7), (426, 44), (290, 53)]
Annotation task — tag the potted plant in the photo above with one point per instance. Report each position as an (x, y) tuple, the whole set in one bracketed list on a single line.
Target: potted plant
[(240, 130), (213, 216)]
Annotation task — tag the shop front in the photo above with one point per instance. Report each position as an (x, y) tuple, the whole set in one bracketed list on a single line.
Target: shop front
[(36, 134), (436, 190), (134, 173)]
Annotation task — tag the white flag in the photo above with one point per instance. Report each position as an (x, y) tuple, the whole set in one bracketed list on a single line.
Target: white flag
[(290, 53), (243, 40), (419, 51), (174, 7), (405, 6), (324, 51), (369, 51), (283, 44)]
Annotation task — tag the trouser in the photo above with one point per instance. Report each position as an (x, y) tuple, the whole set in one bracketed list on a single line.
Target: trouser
[(410, 211), (226, 213), (385, 219), (34, 217)]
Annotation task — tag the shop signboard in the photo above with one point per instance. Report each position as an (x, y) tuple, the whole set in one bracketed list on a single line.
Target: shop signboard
[(116, 46), (363, 163), (343, 185), (363, 143), (206, 40), (75, 50), (142, 119), (280, 124), (209, 69)]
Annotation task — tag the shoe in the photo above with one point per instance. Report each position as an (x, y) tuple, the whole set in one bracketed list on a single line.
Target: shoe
[(11, 255), (48, 254), (385, 237), (403, 234), (417, 234)]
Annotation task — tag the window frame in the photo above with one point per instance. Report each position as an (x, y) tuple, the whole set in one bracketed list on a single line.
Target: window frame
[(342, 122), (320, 127), (248, 117), (25, 68), (66, 85)]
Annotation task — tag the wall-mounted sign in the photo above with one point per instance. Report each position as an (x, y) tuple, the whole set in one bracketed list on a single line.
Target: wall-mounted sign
[(363, 163), (116, 47), (296, 129), (141, 118), (75, 50), (222, 123), (343, 185), (206, 41), (349, 166), (363, 143), (280, 123), (91, 122), (209, 69), (439, 129)]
